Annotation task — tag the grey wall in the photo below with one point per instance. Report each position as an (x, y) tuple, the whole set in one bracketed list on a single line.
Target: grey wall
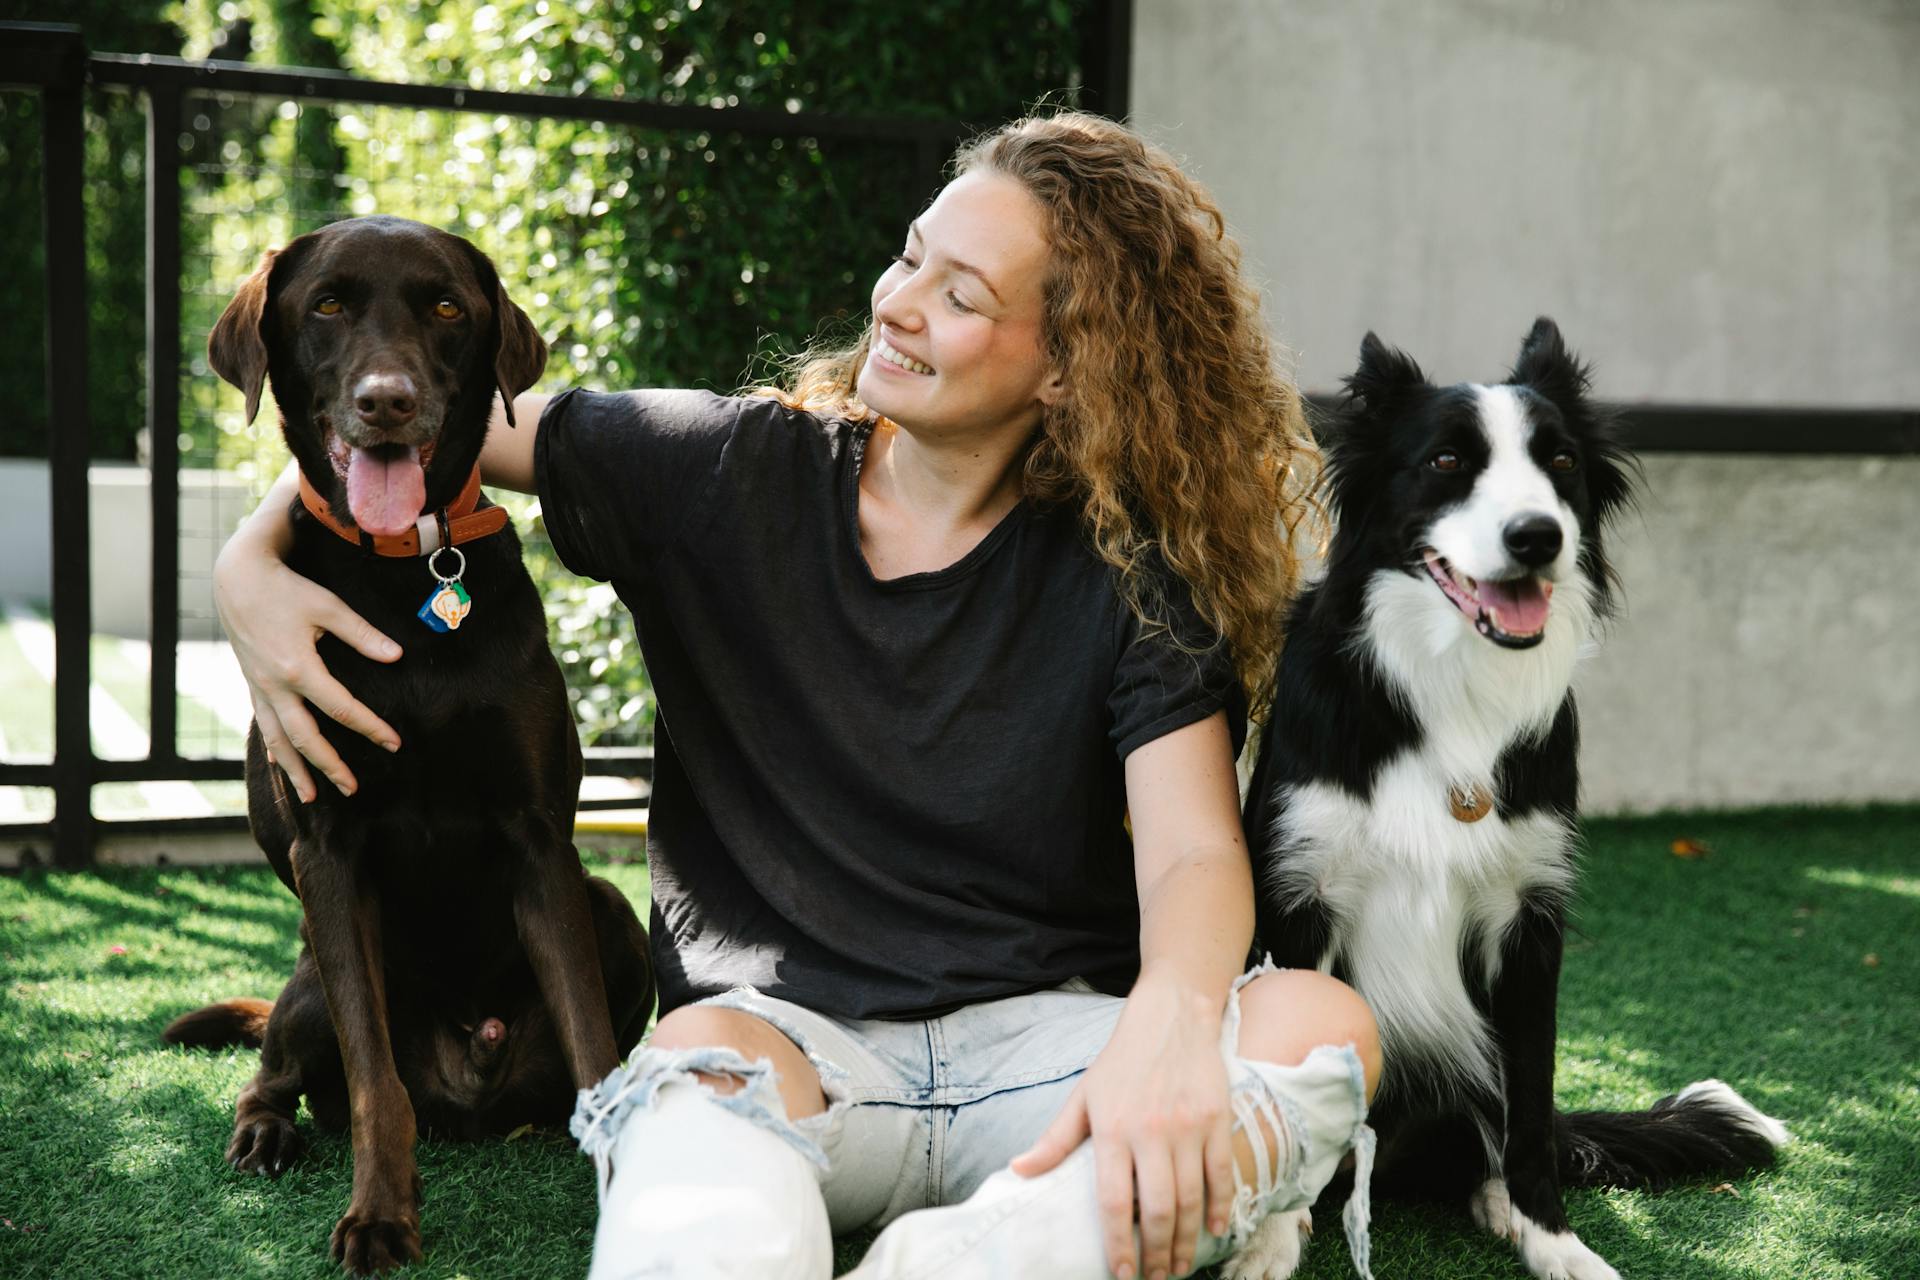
[(1719, 200)]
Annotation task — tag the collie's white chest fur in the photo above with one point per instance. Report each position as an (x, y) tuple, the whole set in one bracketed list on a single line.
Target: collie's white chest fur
[(1420, 901)]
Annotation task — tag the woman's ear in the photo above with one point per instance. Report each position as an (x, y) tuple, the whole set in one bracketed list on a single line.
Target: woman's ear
[(1053, 389)]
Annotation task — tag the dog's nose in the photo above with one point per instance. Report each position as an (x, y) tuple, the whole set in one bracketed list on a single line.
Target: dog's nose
[(1534, 538), (386, 399)]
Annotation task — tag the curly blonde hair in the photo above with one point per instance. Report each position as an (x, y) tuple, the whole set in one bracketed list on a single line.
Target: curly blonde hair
[(1179, 434)]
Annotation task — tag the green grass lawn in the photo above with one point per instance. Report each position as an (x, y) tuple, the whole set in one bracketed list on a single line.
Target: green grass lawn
[(1786, 961)]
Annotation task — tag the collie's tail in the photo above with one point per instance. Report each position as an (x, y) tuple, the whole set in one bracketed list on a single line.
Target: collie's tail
[(1704, 1129), (230, 1022)]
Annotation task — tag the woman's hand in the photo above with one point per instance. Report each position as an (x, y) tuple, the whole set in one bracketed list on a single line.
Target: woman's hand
[(1155, 1104), (274, 619)]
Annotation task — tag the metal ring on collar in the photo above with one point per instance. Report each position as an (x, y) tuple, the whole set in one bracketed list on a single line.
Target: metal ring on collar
[(433, 562)]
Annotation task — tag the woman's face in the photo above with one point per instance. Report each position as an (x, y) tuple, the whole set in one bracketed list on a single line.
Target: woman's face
[(956, 346)]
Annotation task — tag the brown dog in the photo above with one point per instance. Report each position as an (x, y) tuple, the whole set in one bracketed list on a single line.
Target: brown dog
[(461, 973)]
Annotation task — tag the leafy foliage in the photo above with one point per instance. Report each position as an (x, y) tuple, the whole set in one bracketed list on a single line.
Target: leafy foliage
[(647, 258)]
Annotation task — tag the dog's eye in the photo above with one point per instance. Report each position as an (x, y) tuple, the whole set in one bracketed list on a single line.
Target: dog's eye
[(447, 309), (327, 305), (1563, 461), (1445, 460)]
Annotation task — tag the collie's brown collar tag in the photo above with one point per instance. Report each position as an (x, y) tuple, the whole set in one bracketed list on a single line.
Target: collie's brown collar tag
[(1469, 804)]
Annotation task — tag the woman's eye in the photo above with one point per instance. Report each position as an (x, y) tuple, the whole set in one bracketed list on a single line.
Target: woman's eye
[(327, 305), (953, 299), (1445, 460), (904, 261), (1563, 461), (447, 309)]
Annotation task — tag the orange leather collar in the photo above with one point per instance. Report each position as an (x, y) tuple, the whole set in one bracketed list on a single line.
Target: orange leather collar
[(464, 520)]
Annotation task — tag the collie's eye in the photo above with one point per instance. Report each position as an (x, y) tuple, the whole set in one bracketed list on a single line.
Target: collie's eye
[(447, 309), (1445, 460), (327, 305), (1563, 461)]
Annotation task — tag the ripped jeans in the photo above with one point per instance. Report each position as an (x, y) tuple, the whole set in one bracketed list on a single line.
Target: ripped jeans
[(919, 1115)]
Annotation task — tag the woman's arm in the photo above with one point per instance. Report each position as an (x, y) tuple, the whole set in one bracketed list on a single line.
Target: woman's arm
[(274, 617), (1155, 1101)]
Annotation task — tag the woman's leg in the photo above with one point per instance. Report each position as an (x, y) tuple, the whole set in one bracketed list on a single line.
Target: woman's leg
[(703, 1173), (1303, 1058)]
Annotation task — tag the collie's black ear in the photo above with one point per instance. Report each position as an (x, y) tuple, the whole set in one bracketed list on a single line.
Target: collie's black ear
[(1548, 367), (1385, 375), (519, 352)]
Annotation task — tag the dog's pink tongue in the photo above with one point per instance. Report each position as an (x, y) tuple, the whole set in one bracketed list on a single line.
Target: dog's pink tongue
[(385, 491), (1519, 607)]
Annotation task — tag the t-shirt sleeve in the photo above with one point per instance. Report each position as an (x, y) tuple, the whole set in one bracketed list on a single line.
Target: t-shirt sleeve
[(1169, 677), (620, 473)]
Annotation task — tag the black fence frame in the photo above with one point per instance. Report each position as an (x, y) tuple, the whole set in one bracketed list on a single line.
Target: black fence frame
[(54, 61)]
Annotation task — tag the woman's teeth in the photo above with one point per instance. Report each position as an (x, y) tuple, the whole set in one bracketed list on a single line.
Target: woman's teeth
[(891, 356)]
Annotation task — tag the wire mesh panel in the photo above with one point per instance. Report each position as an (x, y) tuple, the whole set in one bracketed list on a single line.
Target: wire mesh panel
[(616, 240)]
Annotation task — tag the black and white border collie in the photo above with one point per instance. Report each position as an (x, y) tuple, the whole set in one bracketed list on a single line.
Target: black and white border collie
[(1412, 814)]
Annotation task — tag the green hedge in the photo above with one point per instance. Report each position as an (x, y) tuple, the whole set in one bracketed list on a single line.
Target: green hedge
[(646, 258)]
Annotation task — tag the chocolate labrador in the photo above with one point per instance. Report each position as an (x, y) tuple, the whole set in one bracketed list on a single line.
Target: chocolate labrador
[(461, 973)]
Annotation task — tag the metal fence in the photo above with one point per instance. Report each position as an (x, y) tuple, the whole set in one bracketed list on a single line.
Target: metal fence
[(191, 150)]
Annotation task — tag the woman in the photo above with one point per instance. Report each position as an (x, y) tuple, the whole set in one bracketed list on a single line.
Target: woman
[(953, 641)]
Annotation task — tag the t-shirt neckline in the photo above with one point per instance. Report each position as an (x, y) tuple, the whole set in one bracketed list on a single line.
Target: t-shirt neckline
[(850, 521)]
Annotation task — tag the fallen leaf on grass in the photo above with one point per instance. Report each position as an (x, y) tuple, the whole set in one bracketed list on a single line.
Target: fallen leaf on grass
[(1871, 960), (521, 1132), (1727, 1189), (1687, 848)]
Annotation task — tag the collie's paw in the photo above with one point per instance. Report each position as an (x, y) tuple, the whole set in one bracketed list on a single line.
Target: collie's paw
[(1492, 1209), (1558, 1255), (1272, 1252)]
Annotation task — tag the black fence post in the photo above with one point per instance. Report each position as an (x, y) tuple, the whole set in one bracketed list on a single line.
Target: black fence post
[(163, 413), (68, 429), (1106, 57)]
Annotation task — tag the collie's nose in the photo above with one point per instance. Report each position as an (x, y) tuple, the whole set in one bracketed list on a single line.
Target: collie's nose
[(1534, 539), (385, 399)]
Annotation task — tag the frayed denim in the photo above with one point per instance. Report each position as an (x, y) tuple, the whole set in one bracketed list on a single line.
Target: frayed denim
[(920, 1123)]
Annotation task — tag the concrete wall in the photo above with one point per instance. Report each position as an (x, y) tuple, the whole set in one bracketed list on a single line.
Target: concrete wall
[(120, 524), (1719, 200)]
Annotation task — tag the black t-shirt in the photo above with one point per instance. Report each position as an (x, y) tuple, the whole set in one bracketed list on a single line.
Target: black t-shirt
[(878, 799)]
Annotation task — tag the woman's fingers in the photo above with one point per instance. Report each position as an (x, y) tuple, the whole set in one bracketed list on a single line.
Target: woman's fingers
[(280, 751), (356, 631), (303, 732), (1190, 1202), (1153, 1176), (1068, 1130), (1218, 1166), (1113, 1191), (333, 700)]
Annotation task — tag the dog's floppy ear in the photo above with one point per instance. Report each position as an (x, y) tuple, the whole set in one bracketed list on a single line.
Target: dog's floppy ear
[(1548, 367), (519, 352), (1384, 375), (237, 348)]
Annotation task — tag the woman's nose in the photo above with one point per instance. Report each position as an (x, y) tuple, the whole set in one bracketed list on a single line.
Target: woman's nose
[(898, 307)]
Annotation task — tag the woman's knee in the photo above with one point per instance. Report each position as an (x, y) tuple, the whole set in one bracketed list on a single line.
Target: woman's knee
[(698, 1026), (1287, 1014)]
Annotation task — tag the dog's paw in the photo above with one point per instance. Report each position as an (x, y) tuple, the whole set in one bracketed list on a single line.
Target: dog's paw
[(1492, 1209), (1558, 1255), (263, 1142), (366, 1243), (1272, 1252)]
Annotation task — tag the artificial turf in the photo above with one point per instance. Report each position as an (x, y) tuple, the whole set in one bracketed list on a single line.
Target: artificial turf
[(1785, 959)]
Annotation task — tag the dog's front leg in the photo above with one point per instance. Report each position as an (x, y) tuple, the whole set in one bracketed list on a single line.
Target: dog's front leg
[(381, 1228), (1525, 1204), (555, 922)]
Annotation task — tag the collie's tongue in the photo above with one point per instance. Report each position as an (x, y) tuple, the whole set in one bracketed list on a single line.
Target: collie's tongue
[(385, 490), (1518, 607)]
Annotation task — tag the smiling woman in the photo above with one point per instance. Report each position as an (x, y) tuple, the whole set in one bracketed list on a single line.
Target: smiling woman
[(954, 639)]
